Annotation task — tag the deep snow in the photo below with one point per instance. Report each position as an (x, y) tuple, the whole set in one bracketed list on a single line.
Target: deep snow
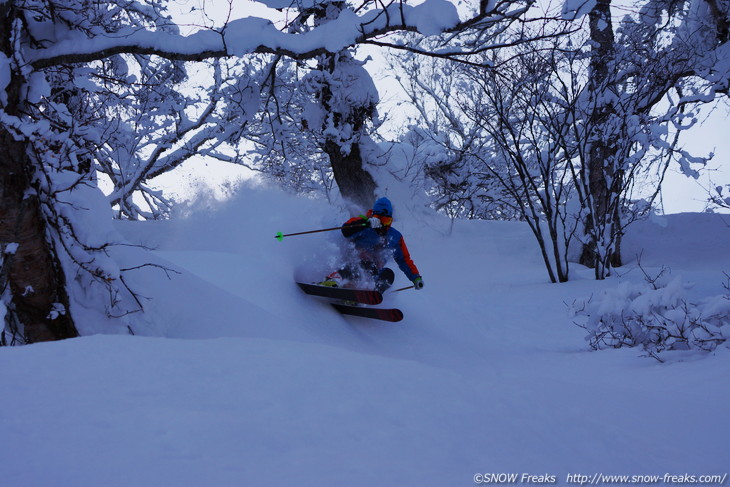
[(236, 378)]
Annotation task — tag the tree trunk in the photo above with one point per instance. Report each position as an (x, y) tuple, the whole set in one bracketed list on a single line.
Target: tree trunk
[(604, 211), (355, 183), (37, 284)]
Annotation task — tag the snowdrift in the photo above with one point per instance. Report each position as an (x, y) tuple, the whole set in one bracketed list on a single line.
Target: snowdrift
[(234, 377)]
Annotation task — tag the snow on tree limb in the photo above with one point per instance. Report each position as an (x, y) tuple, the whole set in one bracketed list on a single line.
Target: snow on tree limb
[(254, 35)]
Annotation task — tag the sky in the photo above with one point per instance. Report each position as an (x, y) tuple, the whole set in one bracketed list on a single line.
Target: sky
[(683, 194)]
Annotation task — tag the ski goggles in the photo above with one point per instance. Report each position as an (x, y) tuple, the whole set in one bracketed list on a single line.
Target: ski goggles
[(385, 220)]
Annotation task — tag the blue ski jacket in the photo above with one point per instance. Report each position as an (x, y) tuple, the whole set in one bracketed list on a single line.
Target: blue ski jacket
[(378, 245)]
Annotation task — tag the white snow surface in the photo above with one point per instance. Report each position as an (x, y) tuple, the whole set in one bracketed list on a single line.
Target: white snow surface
[(236, 378)]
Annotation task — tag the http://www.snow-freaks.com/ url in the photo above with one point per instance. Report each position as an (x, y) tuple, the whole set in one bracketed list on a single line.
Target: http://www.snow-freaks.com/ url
[(598, 479)]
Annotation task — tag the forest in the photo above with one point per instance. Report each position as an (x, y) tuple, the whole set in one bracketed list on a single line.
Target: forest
[(565, 117)]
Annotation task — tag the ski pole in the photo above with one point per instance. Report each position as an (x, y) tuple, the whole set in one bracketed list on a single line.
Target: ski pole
[(403, 288), (280, 236)]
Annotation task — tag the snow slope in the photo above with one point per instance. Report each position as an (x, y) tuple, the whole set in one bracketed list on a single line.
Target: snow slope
[(236, 378)]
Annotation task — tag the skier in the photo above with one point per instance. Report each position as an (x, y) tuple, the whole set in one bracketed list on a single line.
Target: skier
[(375, 240)]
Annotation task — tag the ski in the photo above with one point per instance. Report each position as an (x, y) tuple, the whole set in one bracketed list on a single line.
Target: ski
[(385, 314), (364, 296)]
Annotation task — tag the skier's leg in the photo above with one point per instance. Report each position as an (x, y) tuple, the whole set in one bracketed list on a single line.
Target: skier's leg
[(370, 267), (384, 279), (342, 277), (370, 272)]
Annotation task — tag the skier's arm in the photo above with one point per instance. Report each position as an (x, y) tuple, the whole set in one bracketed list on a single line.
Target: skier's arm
[(354, 226), (403, 259)]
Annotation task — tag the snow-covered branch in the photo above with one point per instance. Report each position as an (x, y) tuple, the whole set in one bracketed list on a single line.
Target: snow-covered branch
[(255, 35)]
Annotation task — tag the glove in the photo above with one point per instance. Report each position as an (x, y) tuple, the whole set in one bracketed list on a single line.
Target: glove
[(375, 223), (418, 283)]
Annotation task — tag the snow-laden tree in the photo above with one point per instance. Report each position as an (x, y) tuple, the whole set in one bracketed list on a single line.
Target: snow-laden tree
[(656, 315), (719, 197), (509, 125), (53, 217), (572, 123), (668, 53), (160, 122), (147, 122), (332, 98), (274, 142), (449, 147)]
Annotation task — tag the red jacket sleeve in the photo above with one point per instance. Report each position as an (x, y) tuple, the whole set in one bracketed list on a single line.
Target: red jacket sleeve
[(404, 261)]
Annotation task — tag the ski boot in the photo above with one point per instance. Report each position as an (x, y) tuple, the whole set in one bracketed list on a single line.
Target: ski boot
[(332, 280)]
